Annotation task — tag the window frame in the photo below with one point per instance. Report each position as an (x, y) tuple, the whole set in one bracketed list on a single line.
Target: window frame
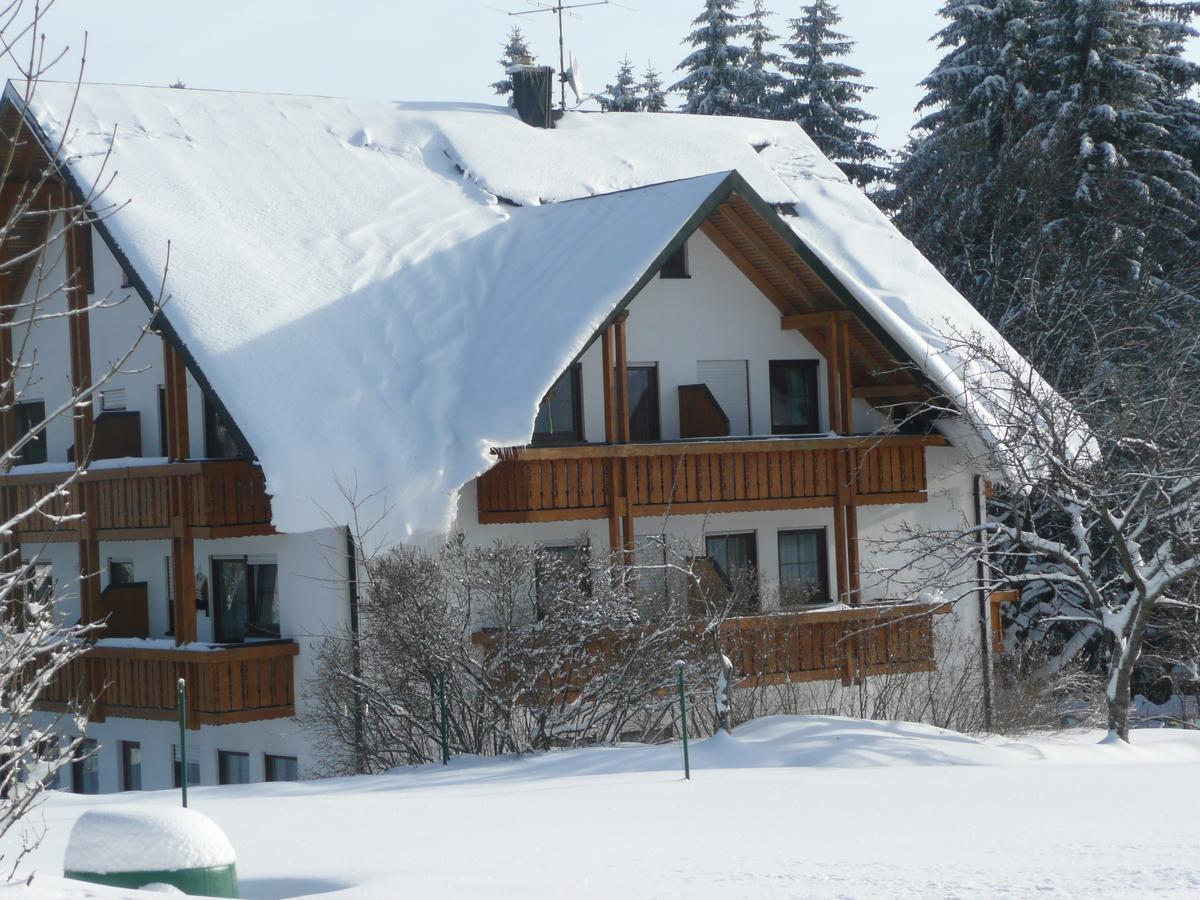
[(176, 767), (114, 565), (223, 758), (725, 535), (271, 759), (23, 424), (677, 265), (251, 564), (653, 394), (822, 534), (86, 767), (813, 367), (564, 438), (214, 422), (129, 766), (582, 550)]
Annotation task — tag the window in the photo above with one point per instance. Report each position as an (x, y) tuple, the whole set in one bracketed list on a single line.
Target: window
[(735, 557), (643, 403), (562, 571), (803, 571), (120, 571), (676, 265), (31, 413), (560, 415), (85, 769), (794, 407), (131, 766), (233, 768), (244, 594), (728, 380), (193, 769), (219, 442), (281, 768), (162, 421), (170, 595)]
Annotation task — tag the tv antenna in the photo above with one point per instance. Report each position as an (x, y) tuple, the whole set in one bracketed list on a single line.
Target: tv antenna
[(559, 8)]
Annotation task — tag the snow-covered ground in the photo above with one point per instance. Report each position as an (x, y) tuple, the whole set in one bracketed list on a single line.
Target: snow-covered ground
[(788, 807)]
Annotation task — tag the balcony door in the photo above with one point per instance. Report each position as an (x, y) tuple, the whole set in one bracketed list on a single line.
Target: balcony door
[(245, 599)]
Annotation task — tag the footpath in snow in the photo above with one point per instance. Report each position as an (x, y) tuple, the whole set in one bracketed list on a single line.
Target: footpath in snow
[(787, 807)]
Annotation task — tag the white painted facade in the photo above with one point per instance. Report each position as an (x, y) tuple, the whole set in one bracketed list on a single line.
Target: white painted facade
[(312, 585), (716, 314)]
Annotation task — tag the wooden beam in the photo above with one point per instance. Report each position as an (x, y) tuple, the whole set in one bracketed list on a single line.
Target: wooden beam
[(852, 558), (79, 332), (833, 378), (696, 448), (183, 561), (801, 321), (610, 437), (772, 293), (8, 398), (175, 388), (846, 374), (778, 263), (623, 430)]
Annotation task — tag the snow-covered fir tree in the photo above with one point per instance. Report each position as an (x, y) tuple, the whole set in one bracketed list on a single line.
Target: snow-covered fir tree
[(625, 94), (654, 96), (715, 81), (976, 104), (762, 78), (823, 95), (513, 49)]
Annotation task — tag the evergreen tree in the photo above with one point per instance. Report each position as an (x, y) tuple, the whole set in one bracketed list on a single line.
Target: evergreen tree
[(715, 79), (513, 49), (823, 95), (625, 95), (653, 94), (762, 77), (977, 102)]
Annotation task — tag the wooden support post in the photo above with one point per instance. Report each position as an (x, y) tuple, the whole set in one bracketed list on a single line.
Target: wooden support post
[(833, 365), (78, 331), (610, 436), (8, 396), (623, 431), (183, 562), (842, 346), (852, 559), (840, 549), (175, 389)]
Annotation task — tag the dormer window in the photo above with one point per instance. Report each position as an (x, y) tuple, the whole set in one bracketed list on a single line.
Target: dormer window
[(560, 415), (676, 265)]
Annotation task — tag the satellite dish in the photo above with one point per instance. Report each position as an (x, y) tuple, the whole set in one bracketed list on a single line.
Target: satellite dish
[(572, 77)]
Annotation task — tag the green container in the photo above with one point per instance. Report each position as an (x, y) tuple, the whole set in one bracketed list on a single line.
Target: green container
[(215, 881)]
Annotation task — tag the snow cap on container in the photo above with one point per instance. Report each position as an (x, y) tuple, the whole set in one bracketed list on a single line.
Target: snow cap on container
[(146, 838)]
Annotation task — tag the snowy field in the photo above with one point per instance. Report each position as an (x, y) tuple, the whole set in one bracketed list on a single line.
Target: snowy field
[(789, 807)]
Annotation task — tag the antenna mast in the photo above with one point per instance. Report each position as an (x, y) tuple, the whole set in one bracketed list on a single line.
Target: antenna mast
[(558, 8)]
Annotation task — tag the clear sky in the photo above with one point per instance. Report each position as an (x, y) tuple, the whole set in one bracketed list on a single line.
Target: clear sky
[(443, 49)]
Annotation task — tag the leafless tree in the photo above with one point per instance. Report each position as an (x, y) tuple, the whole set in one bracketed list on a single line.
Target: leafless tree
[(39, 214), (1099, 511)]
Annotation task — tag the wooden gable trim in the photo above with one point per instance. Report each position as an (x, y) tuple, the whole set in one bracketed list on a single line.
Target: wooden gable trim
[(162, 324)]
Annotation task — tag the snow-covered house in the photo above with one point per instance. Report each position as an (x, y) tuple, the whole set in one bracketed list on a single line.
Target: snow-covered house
[(625, 324)]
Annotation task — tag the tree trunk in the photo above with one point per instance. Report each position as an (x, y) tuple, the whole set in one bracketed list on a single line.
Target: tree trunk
[(1117, 695)]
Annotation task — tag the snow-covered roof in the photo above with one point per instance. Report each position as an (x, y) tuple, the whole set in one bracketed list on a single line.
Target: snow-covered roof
[(381, 292)]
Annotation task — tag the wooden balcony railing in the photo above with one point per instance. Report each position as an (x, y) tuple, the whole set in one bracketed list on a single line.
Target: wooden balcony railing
[(541, 484), (223, 498), (846, 644), (822, 645), (226, 684)]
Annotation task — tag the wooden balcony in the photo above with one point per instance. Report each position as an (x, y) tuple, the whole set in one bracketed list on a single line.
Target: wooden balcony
[(222, 498), (227, 684), (544, 484), (846, 644)]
